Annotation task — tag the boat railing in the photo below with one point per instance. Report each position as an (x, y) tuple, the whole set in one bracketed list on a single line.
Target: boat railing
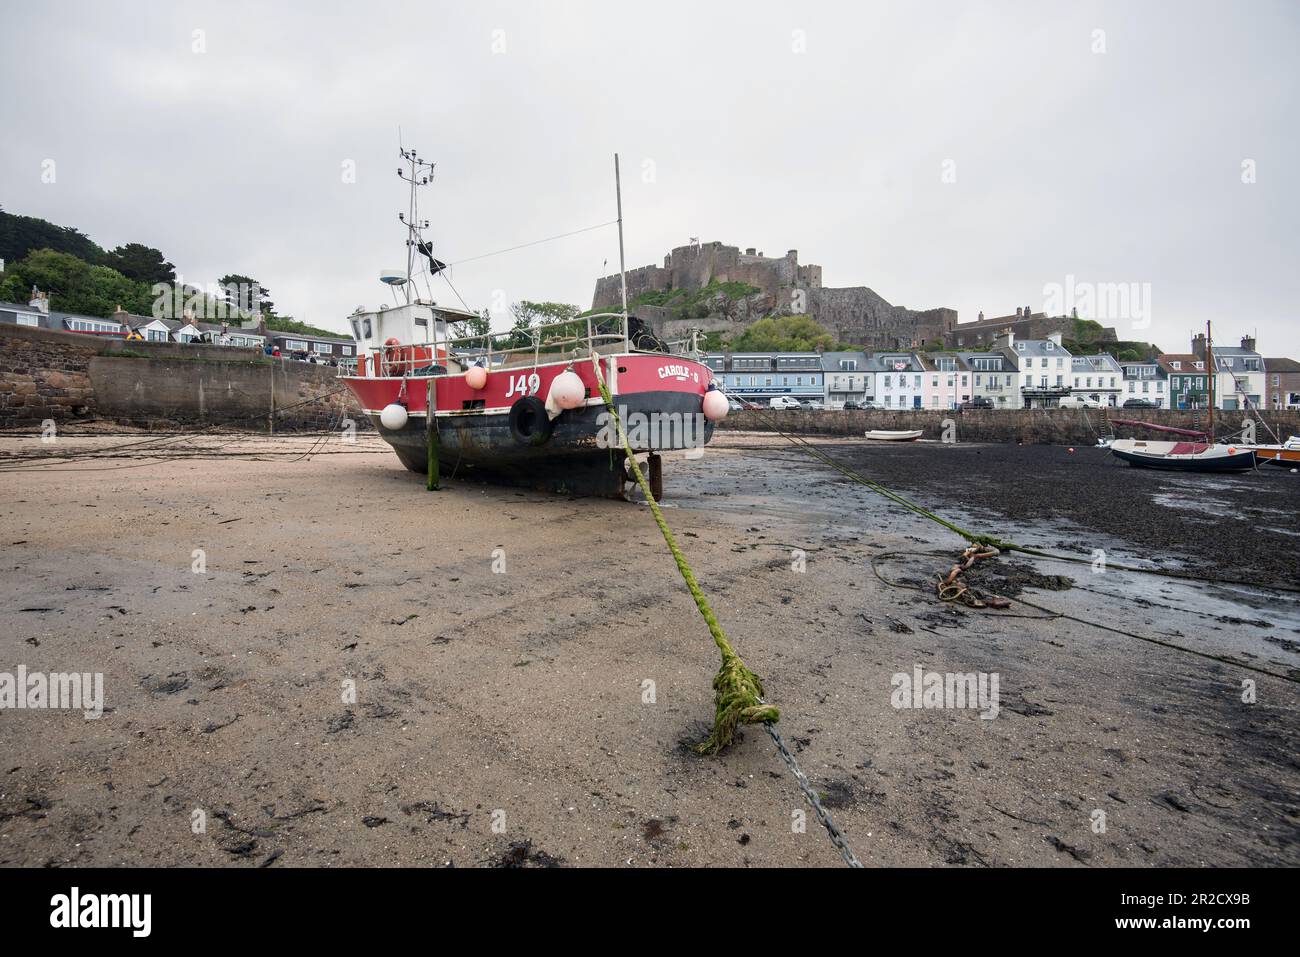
[(572, 338)]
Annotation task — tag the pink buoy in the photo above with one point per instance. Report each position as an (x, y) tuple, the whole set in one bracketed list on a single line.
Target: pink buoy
[(715, 406), (567, 390), (476, 377)]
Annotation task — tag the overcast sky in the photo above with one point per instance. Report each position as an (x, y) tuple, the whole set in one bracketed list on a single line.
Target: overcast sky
[(828, 128)]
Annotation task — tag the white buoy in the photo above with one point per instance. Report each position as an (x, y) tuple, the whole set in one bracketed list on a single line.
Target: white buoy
[(567, 390), (715, 405), (393, 417)]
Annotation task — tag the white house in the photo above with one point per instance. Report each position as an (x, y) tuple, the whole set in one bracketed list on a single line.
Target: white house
[(846, 378), (898, 380)]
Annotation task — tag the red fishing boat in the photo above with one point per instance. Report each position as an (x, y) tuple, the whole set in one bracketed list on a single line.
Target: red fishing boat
[(523, 414)]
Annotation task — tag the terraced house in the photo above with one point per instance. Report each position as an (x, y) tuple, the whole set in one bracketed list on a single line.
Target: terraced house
[(946, 382), (1044, 368), (847, 378), (993, 377), (1238, 373), (898, 380), (1097, 377), (1283, 384), (1189, 383), (1145, 380), (759, 376)]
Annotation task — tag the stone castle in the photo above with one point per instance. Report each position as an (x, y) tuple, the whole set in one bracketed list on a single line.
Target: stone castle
[(855, 314)]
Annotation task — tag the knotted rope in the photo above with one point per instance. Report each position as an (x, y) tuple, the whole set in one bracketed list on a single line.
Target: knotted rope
[(738, 692)]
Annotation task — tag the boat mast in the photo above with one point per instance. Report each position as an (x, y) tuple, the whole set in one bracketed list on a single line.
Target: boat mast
[(1209, 365), (622, 269), (421, 173)]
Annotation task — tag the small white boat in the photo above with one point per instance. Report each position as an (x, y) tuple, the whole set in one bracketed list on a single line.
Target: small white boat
[(886, 435)]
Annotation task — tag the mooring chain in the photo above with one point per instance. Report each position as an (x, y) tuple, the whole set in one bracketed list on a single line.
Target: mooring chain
[(810, 794)]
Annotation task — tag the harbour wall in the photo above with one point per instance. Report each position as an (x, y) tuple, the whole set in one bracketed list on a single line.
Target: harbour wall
[(1026, 426), (70, 377)]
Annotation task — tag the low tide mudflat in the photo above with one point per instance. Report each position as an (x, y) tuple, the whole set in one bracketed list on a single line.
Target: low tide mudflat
[(505, 717)]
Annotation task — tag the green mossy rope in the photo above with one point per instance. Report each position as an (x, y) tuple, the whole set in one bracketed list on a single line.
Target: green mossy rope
[(737, 691)]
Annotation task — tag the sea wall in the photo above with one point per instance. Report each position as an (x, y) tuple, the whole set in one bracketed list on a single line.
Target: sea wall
[(66, 376), (1028, 426)]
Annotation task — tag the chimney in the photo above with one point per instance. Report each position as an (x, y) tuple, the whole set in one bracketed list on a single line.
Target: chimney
[(981, 318), (1198, 346), (1248, 343), (40, 301), (121, 315), (750, 251), (1006, 339), (1018, 313)]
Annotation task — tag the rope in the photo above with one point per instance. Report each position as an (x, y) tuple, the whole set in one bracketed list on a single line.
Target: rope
[(1052, 614), (738, 692)]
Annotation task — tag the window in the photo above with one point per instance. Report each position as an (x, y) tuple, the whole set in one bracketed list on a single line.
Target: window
[(345, 350), (26, 320), (157, 335), (295, 345), (322, 348)]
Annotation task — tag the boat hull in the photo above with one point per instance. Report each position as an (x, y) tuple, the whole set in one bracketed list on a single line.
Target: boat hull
[(1277, 455), (582, 455), (887, 435), (1183, 456)]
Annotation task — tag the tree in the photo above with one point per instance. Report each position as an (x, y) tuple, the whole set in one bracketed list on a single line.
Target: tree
[(530, 315), (74, 285), (21, 235), (246, 297), (478, 326), (140, 263), (784, 334)]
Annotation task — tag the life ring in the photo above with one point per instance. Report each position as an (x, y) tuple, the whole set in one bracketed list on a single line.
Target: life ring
[(529, 423), (392, 355)]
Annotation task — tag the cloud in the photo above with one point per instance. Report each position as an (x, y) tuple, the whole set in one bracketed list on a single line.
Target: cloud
[(1122, 166)]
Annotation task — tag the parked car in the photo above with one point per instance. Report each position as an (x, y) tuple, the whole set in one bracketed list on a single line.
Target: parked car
[(812, 405), (783, 402), (734, 405), (746, 404), (1140, 404), (979, 402), (1079, 402), (853, 405)]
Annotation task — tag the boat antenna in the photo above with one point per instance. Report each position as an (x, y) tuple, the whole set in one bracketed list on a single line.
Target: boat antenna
[(419, 173), (622, 269)]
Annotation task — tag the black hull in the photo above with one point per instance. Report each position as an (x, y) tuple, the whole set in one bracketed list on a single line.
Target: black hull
[(572, 461), (1242, 462)]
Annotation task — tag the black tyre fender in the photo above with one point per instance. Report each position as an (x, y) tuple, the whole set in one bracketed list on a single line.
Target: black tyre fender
[(529, 423)]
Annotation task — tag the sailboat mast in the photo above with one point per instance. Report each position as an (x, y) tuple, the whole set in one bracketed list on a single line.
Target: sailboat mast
[(622, 269), (1213, 374)]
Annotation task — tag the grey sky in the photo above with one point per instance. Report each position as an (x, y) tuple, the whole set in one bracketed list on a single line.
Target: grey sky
[(1122, 166)]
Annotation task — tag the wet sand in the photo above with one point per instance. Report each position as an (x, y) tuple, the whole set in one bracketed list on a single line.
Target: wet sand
[(503, 719)]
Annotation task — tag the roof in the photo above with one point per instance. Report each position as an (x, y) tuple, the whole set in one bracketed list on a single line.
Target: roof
[(1282, 365), (1038, 347), (1005, 364), (884, 362), (1186, 360), (1103, 360), (930, 364)]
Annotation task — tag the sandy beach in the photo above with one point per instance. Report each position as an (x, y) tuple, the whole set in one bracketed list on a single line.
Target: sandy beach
[(362, 672)]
